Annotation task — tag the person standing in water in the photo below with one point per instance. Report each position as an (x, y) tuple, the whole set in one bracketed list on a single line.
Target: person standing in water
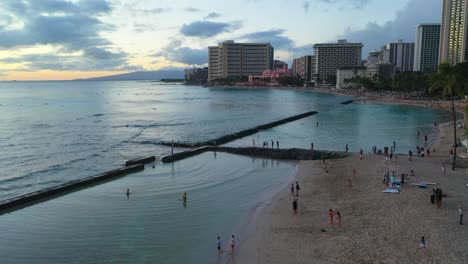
[(346, 147), (219, 244), (297, 189), (128, 193), (311, 145), (233, 244), (184, 196), (277, 144)]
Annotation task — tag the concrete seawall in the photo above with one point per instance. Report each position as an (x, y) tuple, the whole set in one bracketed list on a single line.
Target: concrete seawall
[(231, 137), (280, 154), (140, 161), (52, 192)]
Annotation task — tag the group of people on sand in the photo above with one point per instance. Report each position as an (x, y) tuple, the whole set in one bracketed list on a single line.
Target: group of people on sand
[(295, 194), (338, 217), (436, 197)]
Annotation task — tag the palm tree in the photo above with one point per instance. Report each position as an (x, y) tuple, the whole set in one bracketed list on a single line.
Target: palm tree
[(450, 80)]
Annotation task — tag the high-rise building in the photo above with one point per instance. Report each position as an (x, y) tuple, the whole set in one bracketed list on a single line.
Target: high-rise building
[(236, 60), (454, 32), (329, 57), (373, 58), (277, 64), (304, 67), (401, 55), (426, 51)]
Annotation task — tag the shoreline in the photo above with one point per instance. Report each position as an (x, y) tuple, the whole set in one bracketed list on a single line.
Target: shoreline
[(377, 227)]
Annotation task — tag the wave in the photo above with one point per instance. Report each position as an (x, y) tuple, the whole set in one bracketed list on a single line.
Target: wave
[(152, 125)]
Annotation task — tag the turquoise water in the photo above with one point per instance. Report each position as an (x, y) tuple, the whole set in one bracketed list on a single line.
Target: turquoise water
[(100, 225), (54, 132), (359, 126)]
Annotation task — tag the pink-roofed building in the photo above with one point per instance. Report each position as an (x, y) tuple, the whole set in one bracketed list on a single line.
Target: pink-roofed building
[(270, 75)]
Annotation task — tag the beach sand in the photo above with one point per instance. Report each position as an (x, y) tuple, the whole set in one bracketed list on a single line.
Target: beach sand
[(376, 227)]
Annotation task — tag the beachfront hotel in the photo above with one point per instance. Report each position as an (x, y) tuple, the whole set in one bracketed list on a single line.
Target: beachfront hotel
[(400, 54), (426, 53), (454, 32), (329, 57), (236, 60), (304, 67)]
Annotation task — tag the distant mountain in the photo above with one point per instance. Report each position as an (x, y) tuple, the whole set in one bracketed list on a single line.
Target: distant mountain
[(140, 75)]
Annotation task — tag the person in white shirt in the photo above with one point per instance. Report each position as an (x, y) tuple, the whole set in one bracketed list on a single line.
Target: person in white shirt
[(423, 243), (460, 213)]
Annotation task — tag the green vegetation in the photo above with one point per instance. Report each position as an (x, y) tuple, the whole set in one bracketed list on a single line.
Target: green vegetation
[(452, 81), (172, 80), (290, 81)]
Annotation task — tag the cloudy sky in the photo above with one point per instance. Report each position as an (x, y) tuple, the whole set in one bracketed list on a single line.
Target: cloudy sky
[(66, 39)]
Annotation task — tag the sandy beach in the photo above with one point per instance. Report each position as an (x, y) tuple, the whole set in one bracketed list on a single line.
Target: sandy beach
[(376, 227)]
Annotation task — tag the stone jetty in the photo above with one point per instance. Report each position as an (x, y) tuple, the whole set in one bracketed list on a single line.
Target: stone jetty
[(231, 137)]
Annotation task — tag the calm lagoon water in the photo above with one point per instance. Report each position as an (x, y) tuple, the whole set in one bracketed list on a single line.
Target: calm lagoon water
[(54, 132)]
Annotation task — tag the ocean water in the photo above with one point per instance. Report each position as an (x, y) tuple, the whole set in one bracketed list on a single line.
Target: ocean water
[(101, 225), (54, 132)]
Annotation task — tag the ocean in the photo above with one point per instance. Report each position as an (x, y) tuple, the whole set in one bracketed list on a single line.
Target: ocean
[(55, 132)]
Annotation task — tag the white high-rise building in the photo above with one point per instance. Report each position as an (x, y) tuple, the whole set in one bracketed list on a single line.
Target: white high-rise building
[(401, 55), (329, 57), (236, 60), (426, 53), (454, 32)]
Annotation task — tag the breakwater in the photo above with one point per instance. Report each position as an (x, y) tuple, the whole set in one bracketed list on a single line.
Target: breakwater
[(52, 192), (279, 154), (231, 137), (347, 102)]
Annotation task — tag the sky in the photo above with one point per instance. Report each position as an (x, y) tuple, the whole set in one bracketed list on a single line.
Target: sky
[(68, 39)]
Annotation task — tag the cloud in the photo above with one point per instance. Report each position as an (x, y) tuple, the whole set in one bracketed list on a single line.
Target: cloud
[(353, 3), (273, 36), (152, 11), (191, 9), (306, 5), (92, 59), (207, 28), (212, 15), (403, 26), (70, 27), (176, 53)]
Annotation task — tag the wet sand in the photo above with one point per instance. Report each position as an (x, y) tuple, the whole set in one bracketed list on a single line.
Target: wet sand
[(376, 227)]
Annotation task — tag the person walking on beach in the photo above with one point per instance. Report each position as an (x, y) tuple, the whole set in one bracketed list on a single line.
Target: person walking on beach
[(410, 155), (233, 244), (423, 243), (294, 204), (338, 216), (439, 197), (443, 169), (330, 214), (292, 189), (460, 213), (297, 189), (219, 244), (311, 145), (349, 182), (346, 148), (360, 154), (433, 195)]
